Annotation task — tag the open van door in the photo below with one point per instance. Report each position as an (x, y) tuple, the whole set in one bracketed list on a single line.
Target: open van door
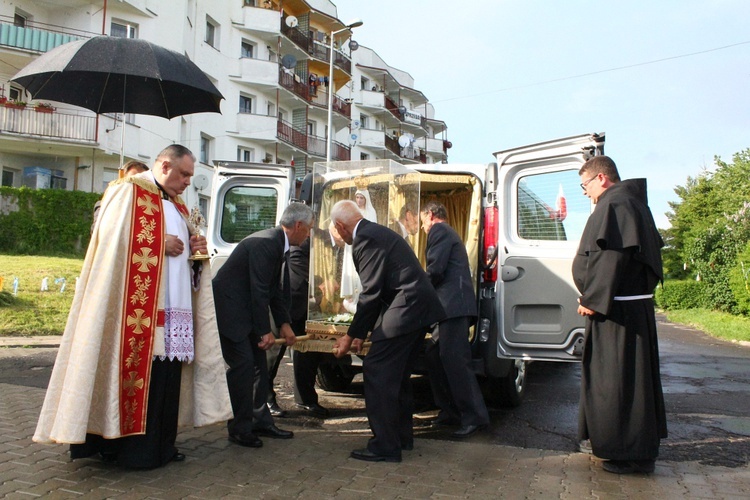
[(246, 197), (541, 216)]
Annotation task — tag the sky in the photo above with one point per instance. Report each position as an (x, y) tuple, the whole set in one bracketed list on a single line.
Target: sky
[(666, 80)]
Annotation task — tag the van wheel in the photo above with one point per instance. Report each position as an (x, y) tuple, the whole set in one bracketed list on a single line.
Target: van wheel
[(334, 377), (508, 391)]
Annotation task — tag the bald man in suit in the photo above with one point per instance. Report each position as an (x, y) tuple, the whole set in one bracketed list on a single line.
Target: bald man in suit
[(398, 305)]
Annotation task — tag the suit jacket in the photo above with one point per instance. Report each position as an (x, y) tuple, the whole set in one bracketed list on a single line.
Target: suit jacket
[(396, 297), (248, 284), (448, 268)]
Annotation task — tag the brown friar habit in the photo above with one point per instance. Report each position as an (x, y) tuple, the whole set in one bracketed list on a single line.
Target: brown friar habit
[(622, 404)]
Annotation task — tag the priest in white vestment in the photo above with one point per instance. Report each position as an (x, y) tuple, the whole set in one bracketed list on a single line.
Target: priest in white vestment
[(140, 354)]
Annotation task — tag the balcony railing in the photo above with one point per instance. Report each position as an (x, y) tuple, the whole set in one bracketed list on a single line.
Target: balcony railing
[(312, 93), (316, 49), (35, 36), (47, 125), (311, 144)]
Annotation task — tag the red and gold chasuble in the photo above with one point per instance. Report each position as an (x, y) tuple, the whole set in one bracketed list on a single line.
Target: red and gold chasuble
[(140, 308)]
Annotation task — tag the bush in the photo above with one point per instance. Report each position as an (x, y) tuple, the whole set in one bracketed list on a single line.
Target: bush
[(739, 281), (46, 222), (681, 295)]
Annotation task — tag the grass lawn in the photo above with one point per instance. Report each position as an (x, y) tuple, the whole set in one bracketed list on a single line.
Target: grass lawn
[(717, 324), (31, 311)]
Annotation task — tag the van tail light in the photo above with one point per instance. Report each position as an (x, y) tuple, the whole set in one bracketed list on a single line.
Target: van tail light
[(490, 244)]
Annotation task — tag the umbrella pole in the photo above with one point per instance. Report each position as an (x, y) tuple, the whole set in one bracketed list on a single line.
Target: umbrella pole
[(122, 132)]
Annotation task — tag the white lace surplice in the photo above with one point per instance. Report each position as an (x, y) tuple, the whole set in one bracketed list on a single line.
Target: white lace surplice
[(178, 311)]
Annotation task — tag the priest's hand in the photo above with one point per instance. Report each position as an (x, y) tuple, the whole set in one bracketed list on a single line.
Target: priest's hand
[(173, 245), (286, 332), (267, 341), (198, 244), (342, 346)]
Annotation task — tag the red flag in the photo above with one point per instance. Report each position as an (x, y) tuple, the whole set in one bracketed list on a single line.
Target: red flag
[(561, 206)]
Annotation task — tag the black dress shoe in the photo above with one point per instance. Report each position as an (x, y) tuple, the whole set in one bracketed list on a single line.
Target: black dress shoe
[(178, 457), (273, 432), (276, 410), (467, 430), (629, 466), (249, 440), (316, 410), (368, 456)]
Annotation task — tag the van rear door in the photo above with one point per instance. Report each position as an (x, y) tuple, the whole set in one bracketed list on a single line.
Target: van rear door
[(542, 213), (246, 197)]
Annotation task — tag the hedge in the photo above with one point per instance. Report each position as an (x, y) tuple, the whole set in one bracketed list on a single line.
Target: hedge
[(687, 294), (47, 222)]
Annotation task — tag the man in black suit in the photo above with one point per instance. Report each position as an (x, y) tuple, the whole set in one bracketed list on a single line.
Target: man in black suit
[(246, 287), (454, 385), (305, 363), (398, 305)]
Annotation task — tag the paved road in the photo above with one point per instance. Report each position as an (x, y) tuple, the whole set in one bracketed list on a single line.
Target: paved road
[(529, 452)]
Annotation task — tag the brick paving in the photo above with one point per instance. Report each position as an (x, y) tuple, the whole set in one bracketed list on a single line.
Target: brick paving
[(316, 464)]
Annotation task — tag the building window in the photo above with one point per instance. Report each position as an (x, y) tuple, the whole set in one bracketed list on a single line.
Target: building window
[(365, 83), (364, 156), (245, 154), (364, 121), (247, 50), (9, 176), (20, 21), (123, 29), (270, 109), (205, 149), (311, 128), (203, 205), (212, 33), (246, 104)]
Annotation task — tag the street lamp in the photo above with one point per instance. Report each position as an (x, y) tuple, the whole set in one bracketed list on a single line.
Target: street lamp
[(353, 24)]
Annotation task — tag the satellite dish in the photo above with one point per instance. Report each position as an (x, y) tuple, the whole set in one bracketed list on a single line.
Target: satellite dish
[(356, 124), (292, 21), (289, 61), (353, 45), (353, 139), (402, 109), (404, 141), (200, 181)]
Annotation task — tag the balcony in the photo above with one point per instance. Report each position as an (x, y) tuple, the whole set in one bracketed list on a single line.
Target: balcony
[(436, 146), (258, 72), (58, 126), (371, 138), (37, 37), (259, 20), (312, 145), (257, 127), (312, 93), (318, 50)]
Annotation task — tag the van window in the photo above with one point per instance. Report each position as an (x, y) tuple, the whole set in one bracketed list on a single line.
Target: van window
[(246, 210), (550, 207)]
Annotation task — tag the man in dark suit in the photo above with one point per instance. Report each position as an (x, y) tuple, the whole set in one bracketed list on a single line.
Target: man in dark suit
[(305, 363), (398, 305), (454, 385), (246, 287)]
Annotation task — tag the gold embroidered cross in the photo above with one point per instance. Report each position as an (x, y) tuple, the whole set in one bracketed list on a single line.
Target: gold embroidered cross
[(148, 206), (131, 383), (144, 259), (138, 321)]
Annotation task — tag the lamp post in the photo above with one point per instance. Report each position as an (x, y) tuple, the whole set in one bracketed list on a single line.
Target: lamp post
[(349, 26)]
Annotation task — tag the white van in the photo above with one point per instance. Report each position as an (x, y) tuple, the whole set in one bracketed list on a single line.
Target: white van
[(521, 218)]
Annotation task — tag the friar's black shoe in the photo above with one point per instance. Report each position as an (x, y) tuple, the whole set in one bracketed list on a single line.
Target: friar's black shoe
[(316, 410), (368, 456), (178, 457), (249, 440), (466, 431), (629, 466), (276, 410), (273, 432)]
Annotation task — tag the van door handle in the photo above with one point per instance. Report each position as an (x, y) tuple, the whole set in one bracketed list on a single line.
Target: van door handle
[(509, 273)]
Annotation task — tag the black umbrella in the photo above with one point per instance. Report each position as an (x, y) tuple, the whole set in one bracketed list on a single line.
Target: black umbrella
[(120, 75)]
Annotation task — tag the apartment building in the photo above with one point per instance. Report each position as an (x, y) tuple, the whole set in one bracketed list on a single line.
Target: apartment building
[(269, 58)]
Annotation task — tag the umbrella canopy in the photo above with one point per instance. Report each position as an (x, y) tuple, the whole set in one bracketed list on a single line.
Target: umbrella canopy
[(120, 75)]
